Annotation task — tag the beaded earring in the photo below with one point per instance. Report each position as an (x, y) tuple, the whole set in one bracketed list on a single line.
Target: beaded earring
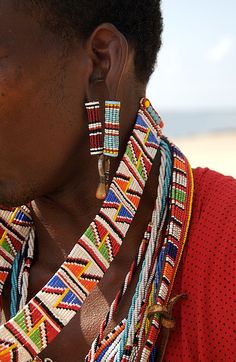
[(110, 146), (95, 128)]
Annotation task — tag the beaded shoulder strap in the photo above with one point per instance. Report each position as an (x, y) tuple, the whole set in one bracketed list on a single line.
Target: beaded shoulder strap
[(38, 323), (137, 338)]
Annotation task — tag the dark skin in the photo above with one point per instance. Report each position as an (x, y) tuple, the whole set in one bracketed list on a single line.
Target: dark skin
[(45, 153)]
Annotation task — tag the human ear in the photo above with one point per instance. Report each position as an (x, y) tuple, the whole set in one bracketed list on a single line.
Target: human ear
[(107, 50)]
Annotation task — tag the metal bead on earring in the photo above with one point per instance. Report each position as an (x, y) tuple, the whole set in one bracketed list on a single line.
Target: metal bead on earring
[(104, 171)]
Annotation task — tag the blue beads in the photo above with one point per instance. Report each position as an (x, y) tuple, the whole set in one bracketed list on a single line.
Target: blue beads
[(154, 115)]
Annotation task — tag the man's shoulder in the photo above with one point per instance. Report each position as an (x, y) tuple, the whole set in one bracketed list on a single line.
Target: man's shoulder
[(208, 178), (210, 184), (214, 196), (206, 273)]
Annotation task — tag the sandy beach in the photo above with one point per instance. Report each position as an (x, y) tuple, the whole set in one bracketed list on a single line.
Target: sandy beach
[(216, 151)]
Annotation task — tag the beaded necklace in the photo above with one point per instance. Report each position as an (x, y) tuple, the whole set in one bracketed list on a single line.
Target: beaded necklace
[(134, 339)]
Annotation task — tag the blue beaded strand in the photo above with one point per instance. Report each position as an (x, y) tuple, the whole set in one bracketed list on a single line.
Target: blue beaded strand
[(112, 125)]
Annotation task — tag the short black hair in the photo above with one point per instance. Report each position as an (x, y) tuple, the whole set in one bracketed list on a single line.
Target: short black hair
[(140, 21)]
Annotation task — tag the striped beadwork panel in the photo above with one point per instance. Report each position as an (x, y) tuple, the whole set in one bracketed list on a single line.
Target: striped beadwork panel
[(112, 128)]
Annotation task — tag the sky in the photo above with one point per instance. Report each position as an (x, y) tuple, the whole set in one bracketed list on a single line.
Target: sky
[(196, 68)]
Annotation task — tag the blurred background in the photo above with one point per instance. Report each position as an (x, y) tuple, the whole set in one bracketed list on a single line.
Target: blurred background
[(194, 85)]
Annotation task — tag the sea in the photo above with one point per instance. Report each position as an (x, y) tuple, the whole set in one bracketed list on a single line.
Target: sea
[(189, 123)]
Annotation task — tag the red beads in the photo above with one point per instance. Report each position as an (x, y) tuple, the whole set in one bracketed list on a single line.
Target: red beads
[(95, 128)]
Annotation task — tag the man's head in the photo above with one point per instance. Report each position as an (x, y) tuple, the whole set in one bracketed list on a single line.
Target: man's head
[(54, 56), (140, 21)]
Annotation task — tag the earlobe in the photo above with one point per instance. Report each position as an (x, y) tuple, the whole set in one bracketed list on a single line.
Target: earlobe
[(108, 51)]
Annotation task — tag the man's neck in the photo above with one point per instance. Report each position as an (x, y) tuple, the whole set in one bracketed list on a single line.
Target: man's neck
[(63, 215)]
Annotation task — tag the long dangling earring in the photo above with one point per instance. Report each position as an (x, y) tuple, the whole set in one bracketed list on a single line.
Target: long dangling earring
[(96, 143), (110, 146)]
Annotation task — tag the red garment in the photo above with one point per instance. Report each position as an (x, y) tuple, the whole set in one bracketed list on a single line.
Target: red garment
[(205, 328)]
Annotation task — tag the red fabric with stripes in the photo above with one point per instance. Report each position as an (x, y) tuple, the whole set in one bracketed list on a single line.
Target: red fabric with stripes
[(205, 328)]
